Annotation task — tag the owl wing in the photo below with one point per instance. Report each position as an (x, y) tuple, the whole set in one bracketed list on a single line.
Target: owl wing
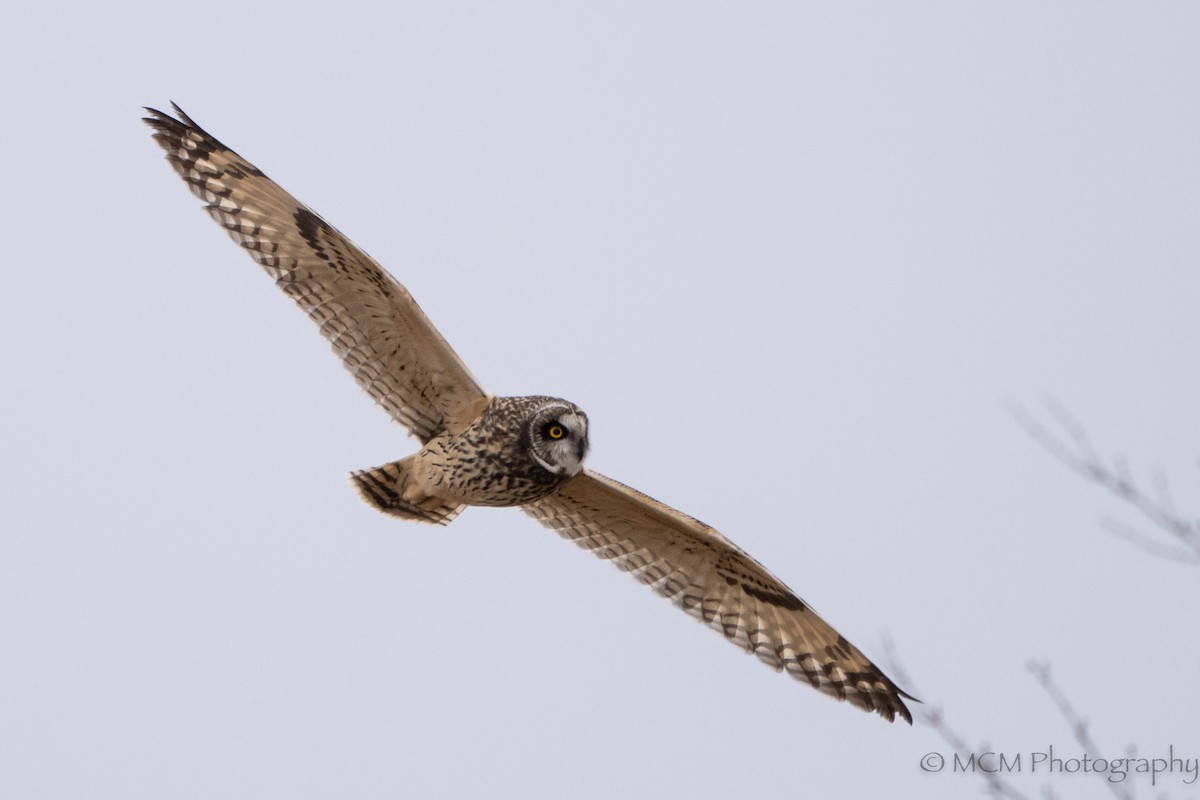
[(716, 582), (373, 323)]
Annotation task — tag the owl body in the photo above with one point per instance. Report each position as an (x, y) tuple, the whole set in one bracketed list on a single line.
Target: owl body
[(519, 449), (479, 449)]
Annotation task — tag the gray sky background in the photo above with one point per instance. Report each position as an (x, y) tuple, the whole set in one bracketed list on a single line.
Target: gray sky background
[(792, 259)]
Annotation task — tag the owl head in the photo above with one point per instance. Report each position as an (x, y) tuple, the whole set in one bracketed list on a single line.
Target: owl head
[(557, 435)]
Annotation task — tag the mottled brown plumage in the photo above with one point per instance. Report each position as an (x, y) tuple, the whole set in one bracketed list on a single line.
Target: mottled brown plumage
[(503, 451)]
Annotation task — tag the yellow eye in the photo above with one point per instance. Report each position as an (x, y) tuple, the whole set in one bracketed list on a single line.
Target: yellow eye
[(556, 432)]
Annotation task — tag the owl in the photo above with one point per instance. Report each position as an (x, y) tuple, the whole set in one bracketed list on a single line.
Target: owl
[(481, 450)]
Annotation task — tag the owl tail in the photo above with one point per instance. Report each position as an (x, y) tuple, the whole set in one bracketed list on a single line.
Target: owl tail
[(383, 487)]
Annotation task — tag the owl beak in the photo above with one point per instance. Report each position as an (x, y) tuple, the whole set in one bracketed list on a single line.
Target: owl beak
[(582, 446)]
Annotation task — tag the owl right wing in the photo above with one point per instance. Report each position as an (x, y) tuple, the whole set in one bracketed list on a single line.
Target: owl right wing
[(394, 352), (719, 584)]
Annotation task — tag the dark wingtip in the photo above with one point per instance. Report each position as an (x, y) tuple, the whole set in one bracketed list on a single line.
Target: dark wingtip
[(183, 115), (163, 123), (155, 117), (902, 709), (161, 120)]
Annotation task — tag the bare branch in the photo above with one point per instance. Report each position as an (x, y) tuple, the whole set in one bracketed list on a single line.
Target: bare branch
[(1162, 492), (1079, 726), (933, 716), (1074, 449), (1150, 546), (995, 785)]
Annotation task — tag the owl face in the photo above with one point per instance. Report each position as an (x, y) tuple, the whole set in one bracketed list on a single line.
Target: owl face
[(557, 436)]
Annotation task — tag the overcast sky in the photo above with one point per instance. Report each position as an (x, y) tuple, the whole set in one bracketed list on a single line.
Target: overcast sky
[(793, 260)]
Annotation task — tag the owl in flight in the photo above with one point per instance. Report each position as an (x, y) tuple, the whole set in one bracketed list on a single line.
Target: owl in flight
[(482, 450)]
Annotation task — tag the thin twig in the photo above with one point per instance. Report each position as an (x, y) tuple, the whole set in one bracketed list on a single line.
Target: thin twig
[(1079, 455), (1150, 546), (1079, 726), (935, 718)]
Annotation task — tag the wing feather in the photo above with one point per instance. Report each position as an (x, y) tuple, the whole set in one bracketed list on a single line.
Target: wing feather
[(716, 582), (384, 339)]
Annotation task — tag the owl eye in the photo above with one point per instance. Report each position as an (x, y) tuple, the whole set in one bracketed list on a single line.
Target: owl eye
[(556, 432)]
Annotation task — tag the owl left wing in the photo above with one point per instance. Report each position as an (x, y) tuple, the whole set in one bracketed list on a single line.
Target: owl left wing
[(716, 582), (384, 339)]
